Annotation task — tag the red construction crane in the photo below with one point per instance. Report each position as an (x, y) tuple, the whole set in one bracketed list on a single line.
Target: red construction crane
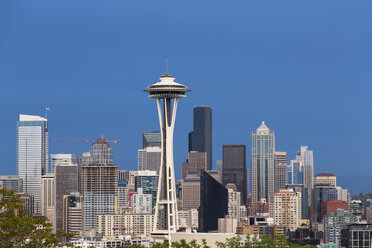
[(101, 141)]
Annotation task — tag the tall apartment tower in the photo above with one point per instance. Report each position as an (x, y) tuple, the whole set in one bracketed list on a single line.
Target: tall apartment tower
[(280, 170), (233, 200), (307, 158), (263, 164), (167, 93), (66, 181), (287, 209), (48, 206), (200, 139), (235, 169), (32, 155)]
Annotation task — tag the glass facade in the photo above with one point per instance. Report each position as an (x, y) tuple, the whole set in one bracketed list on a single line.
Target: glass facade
[(306, 157), (151, 139), (295, 173), (234, 169), (148, 183), (32, 155), (321, 193), (66, 181), (200, 139), (213, 202)]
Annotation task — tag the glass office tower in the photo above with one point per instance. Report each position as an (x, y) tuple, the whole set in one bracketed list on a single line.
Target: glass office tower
[(263, 166), (32, 155), (200, 139)]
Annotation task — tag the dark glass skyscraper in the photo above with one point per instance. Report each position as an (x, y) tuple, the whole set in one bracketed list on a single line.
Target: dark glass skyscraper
[(213, 202), (234, 168), (321, 193), (66, 181), (200, 139)]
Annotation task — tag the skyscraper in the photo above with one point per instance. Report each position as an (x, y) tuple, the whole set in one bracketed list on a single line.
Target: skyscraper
[(191, 191), (200, 139), (32, 155), (11, 182), (149, 158), (148, 182), (320, 193), (48, 206), (233, 199), (72, 213), (213, 202), (263, 169), (66, 181), (166, 91), (56, 159), (280, 170), (197, 161), (295, 173), (287, 208), (235, 168), (307, 158)]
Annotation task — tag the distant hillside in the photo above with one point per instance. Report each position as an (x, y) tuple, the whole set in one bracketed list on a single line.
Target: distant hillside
[(363, 198)]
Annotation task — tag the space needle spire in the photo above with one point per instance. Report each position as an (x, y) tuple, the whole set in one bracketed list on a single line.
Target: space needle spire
[(166, 92)]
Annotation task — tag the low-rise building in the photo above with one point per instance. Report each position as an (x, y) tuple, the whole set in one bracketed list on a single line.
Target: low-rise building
[(111, 225)]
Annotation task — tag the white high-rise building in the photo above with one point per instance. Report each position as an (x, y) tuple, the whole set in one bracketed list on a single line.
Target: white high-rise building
[(233, 201), (149, 159), (287, 208), (32, 154), (59, 158), (142, 203), (166, 92)]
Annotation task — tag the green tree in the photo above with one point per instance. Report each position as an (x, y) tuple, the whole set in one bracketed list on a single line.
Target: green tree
[(17, 229)]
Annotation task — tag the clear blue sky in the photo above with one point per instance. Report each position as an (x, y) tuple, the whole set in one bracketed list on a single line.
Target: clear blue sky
[(305, 67)]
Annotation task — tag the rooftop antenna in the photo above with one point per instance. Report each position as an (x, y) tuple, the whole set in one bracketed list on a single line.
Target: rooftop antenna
[(166, 67)]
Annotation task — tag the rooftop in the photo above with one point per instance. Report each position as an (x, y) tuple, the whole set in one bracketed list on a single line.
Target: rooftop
[(325, 175), (31, 118)]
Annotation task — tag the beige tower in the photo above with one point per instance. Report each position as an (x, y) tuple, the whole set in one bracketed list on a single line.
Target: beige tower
[(287, 209)]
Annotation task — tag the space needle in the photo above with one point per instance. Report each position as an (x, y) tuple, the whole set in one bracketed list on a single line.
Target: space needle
[(166, 92)]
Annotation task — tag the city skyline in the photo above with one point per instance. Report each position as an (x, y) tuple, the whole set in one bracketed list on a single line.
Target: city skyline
[(315, 77)]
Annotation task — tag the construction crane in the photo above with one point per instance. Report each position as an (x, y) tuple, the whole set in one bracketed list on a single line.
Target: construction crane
[(101, 141)]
